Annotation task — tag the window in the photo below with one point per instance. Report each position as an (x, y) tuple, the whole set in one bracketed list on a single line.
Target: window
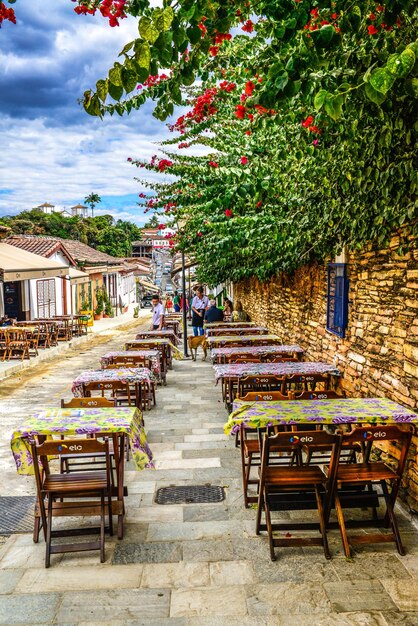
[(337, 299), (45, 292)]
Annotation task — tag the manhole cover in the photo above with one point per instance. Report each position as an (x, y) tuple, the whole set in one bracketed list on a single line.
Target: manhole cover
[(16, 514), (194, 494)]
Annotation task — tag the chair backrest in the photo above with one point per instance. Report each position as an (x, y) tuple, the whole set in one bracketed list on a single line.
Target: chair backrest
[(88, 402), (146, 345), (372, 435), (278, 358), (41, 452), (308, 379), (244, 359), (122, 364), (295, 441), (314, 395), (265, 396)]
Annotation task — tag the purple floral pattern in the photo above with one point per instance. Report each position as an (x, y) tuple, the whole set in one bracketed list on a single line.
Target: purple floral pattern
[(152, 355), (224, 340), (83, 421), (377, 411), (125, 374), (217, 353), (301, 368)]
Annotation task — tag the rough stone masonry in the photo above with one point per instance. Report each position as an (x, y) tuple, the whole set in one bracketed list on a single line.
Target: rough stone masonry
[(379, 355)]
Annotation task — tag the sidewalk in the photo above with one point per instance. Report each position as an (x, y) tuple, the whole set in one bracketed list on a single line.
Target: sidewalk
[(195, 564), (100, 327)]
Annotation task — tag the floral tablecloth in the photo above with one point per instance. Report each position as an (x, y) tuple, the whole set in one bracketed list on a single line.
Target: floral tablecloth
[(168, 333), (84, 421), (342, 411), (223, 340), (237, 330), (255, 350), (129, 375), (158, 341), (301, 368), (152, 355)]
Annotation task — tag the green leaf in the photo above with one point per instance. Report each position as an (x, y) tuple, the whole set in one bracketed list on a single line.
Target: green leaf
[(194, 34), (126, 48), (411, 87), (187, 76), (320, 98), (382, 80), (142, 53), (115, 91), (401, 64), (92, 104), (334, 106), (115, 75), (148, 30), (354, 17), (324, 36), (101, 88), (373, 95), (179, 35), (163, 18), (129, 80)]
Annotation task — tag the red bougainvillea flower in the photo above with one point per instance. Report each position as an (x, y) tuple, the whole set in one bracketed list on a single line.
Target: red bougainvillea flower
[(315, 142), (314, 12), (213, 164), (248, 27), (248, 132), (199, 234), (163, 164), (142, 195), (240, 111), (372, 17), (161, 226), (213, 50), (380, 8), (129, 159), (244, 160), (221, 37), (225, 86), (372, 30), (228, 213), (250, 117), (183, 144), (258, 205), (260, 109), (334, 16), (7, 14), (249, 88), (203, 28), (314, 129), (308, 122)]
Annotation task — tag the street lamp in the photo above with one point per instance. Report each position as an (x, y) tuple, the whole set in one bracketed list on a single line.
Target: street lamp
[(184, 308)]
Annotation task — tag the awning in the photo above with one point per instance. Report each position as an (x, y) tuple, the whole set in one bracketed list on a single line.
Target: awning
[(147, 284), (77, 277), (18, 264)]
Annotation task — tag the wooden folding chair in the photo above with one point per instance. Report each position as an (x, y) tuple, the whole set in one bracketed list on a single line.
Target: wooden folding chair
[(356, 482), (98, 402), (244, 359), (116, 390), (296, 487), (306, 382), (64, 494), (279, 358), (262, 383), (17, 344)]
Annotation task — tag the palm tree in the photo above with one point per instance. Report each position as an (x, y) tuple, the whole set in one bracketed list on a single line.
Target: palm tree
[(92, 199)]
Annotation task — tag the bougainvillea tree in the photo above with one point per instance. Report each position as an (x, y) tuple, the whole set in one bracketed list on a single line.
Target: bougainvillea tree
[(308, 110)]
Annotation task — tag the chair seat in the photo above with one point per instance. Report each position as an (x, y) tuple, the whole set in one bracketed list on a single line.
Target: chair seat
[(363, 472), (71, 483), (319, 447), (291, 476), (252, 446)]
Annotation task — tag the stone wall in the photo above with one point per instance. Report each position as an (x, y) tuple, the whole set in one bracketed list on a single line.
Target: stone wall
[(379, 356)]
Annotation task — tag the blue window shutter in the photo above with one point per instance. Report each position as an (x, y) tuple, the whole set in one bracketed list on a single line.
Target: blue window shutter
[(337, 299)]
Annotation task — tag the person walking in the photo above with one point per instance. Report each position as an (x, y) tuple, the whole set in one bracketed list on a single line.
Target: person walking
[(177, 306), (228, 309), (238, 314), (199, 305), (158, 313), (213, 314), (168, 304)]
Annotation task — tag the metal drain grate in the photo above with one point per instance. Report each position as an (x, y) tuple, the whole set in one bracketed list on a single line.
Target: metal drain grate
[(16, 514), (194, 494)]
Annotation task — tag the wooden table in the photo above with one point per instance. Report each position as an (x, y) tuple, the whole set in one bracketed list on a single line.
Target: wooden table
[(229, 324), (159, 334), (115, 422), (153, 356), (140, 377), (218, 331), (298, 372), (163, 344), (242, 340), (373, 411), (221, 355)]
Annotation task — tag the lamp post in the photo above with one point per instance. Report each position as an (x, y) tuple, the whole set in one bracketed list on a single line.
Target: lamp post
[(184, 308)]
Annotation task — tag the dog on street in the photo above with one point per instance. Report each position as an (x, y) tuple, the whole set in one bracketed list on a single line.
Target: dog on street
[(194, 343)]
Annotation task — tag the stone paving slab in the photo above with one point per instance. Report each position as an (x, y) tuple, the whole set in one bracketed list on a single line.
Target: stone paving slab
[(189, 565)]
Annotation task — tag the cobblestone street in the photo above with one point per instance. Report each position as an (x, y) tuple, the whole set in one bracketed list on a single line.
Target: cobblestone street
[(186, 564)]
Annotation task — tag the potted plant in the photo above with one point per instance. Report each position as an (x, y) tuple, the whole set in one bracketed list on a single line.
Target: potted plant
[(136, 311), (99, 304), (86, 312), (107, 305)]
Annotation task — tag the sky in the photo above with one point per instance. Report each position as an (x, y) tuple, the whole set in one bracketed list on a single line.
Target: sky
[(52, 151)]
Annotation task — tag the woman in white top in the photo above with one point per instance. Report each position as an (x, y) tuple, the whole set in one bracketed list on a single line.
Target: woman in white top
[(199, 305)]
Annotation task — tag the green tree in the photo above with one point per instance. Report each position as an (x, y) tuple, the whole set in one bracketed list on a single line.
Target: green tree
[(91, 200)]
